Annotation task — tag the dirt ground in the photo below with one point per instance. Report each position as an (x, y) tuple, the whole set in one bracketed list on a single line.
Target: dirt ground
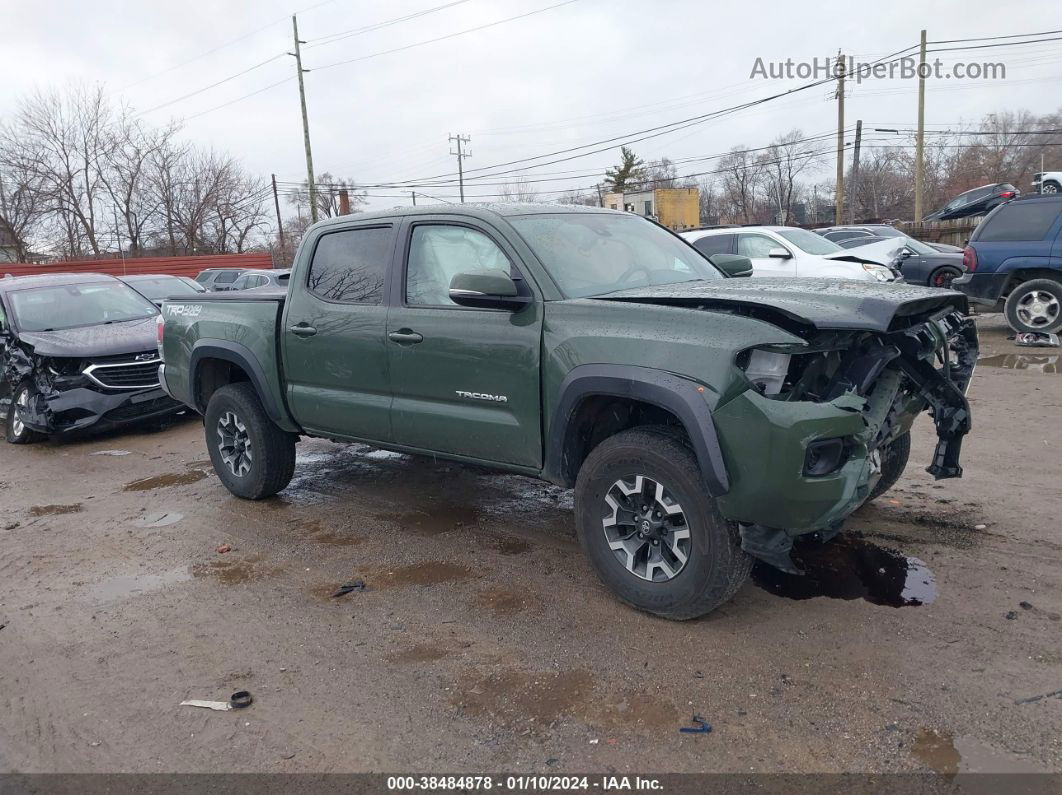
[(924, 638)]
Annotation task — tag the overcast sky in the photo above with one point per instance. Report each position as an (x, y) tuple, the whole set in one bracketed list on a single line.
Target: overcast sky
[(585, 71)]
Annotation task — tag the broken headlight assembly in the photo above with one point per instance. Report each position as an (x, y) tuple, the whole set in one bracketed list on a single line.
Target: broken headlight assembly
[(62, 367), (879, 272)]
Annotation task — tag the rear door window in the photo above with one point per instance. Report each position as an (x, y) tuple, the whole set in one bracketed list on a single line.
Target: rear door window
[(1019, 221), (351, 265), (715, 244), (226, 277)]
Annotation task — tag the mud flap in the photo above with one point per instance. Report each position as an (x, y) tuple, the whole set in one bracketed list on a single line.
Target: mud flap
[(770, 545)]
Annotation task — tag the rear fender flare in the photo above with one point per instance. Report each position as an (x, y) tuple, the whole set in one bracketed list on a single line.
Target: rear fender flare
[(677, 395), (244, 358)]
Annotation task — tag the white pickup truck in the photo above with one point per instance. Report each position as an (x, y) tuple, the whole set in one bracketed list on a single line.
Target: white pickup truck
[(1047, 182)]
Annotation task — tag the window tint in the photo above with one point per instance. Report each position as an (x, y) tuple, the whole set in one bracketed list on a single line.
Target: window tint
[(714, 244), (844, 235), (756, 246), (351, 265), (1019, 221), (438, 252), (227, 277)]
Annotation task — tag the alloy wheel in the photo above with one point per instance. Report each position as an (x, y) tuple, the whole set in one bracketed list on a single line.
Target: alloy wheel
[(18, 427), (646, 528), (234, 444), (1038, 309)]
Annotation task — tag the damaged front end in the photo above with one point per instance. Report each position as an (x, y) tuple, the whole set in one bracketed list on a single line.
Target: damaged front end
[(62, 394), (804, 439)]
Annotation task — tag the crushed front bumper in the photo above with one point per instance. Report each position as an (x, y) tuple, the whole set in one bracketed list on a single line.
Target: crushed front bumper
[(78, 408)]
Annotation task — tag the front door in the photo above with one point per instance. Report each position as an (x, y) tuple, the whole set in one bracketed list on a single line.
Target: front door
[(465, 381), (756, 247), (335, 354)]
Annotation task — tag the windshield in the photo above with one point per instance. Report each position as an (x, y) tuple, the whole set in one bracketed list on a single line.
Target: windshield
[(162, 288), (809, 242), (76, 305), (918, 247), (593, 254)]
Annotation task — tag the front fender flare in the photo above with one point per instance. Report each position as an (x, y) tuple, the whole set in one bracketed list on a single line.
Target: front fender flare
[(667, 391)]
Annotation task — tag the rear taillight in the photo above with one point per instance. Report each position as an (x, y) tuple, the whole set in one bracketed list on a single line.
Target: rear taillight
[(160, 325), (969, 259), (1007, 194)]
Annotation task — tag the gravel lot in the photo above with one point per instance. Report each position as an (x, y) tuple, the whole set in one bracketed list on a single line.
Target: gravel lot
[(484, 643)]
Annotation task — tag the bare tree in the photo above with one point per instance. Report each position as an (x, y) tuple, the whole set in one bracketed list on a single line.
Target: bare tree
[(782, 163), (22, 207), (660, 174), (519, 190), (741, 178), (327, 188)]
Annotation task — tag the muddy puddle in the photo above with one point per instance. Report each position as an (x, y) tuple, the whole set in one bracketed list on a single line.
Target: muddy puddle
[(434, 517), (55, 510), (1044, 364), (949, 754), (166, 481), (432, 572), (519, 697), (234, 572), (501, 601), (850, 567), (129, 585)]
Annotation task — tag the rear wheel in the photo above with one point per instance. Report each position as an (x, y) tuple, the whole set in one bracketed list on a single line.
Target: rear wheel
[(650, 530), (1050, 186), (251, 455), (16, 430), (1035, 306), (892, 460), (943, 277)]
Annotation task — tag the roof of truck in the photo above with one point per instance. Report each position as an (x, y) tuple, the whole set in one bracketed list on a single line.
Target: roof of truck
[(478, 210)]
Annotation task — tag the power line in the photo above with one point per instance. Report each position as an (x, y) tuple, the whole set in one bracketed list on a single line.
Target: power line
[(447, 36), (239, 99), (346, 34), (214, 85), (994, 38), (989, 46)]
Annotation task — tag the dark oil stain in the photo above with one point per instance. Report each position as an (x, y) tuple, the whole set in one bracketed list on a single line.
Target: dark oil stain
[(233, 572), (849, 567), (500, 601), (936, 750), (421, 653), (165, 481), (513, 697), (433, 519), (53, 510), (1044, 364), (431, 572), (508, 545)]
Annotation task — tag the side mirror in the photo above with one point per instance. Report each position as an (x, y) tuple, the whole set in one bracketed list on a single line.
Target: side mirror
[(733, 265), (493, 289), (779, 253), (906, 253)]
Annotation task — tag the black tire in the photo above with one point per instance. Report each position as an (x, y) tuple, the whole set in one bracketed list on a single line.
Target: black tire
[(1050, 186), (272, 461), (943, 277), (715, 566), (1024, 298), (893, 462), (25, 435)]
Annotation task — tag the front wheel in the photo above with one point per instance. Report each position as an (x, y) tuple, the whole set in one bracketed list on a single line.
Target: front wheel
[(16, 431), (892, 461), (251, 455), (651, 531), (1050, 186), (1035, 306), (943, 277)]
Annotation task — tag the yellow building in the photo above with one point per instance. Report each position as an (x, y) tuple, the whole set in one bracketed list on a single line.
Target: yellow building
[(675, 208)]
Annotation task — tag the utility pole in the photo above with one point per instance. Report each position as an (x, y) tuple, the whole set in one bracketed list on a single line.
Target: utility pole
[(276, 205), (413, 193), (855, 172), (305, 120), (838, 212), (600, 196), (461, 153), (344, 202), (920, 136)]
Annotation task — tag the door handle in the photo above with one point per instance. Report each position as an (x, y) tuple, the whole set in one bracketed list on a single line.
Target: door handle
[(405, 336), (303, 330)]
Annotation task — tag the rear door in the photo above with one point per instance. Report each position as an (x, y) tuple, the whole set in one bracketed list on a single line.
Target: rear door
[(335, 360), (465, 380), (756, 246), (714, 244)]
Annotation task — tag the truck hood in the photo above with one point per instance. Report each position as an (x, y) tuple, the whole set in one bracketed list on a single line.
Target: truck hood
[(822, 303), (113, 339), (883, 252)]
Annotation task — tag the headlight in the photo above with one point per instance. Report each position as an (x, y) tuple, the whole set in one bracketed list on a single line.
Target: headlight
[(879, 272), (767, 370), (62, 366)]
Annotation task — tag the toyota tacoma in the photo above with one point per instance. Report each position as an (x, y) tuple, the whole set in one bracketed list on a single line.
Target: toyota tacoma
[(704, 421)]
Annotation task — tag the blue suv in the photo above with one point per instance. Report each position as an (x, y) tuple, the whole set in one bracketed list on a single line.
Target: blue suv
[(1015, 257)]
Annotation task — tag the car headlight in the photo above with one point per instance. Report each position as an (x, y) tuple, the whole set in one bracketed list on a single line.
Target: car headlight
[(879, 272)]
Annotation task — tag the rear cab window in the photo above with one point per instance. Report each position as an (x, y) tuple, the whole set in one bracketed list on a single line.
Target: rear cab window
[(351, 265), (1018, 221)]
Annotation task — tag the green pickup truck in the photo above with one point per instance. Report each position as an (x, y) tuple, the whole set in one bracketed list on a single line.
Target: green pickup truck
[(703, 420)]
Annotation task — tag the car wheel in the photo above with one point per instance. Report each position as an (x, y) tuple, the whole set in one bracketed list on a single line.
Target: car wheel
[(651, 531), (16, 431), (1050, 187), (943, 277), (1036, 306), (891, 461), (251, 455)]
